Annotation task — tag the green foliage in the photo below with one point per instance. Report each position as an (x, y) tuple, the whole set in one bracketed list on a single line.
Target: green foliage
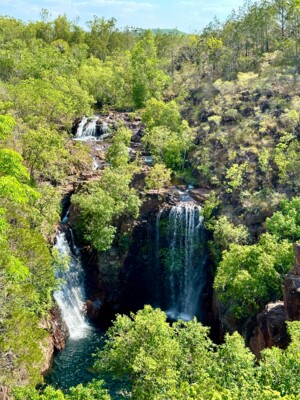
[(284, 224), (159, 113), (210, 207), (151, 359), (234, 176), (179, 361), (53, 100), (26, 273), (92, 391), (167, 136), (101, 203), (118, 153), (147, 80), (7, 124), (150, 353), (249, 276), (158, 177), (45, 154), (288, 162), (11, 163), (226, 233)]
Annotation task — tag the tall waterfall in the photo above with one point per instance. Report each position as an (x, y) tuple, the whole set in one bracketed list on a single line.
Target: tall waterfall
[(87, 129), (71, 295), (184, 260)]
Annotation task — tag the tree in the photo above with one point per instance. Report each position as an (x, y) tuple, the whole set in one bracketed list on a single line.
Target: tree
[(92, 391), (99, 36), (147, 79), (226, 233), (53, 100), (101, 203), (118, 153), (249, 276), (7, 124), (284, 224), (158, 113), (45, 153), (158, 177)]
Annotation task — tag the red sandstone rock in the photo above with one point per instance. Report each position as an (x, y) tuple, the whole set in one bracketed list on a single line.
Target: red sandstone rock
[(271, 328), (58, 329)]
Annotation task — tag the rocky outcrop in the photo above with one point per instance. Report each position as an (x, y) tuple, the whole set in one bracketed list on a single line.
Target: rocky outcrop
[(271, 328), (271, 323), (59, 331), (200, 195), (47, 347), (292, 289)]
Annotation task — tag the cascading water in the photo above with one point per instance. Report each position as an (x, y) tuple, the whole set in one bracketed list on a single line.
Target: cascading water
[(80, 128), (87, 129), (184, 259), (73, 364), (71, 295), (96, 164)]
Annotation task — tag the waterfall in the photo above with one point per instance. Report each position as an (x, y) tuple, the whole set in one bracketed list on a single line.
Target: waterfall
[(71, 295), (95, 164), (184, 259), (87, 130)]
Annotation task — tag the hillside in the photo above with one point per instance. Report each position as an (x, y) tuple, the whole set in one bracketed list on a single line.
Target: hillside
[(153, 174)]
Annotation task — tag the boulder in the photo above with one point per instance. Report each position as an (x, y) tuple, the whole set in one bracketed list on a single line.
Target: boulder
[(199, 195), (93, 309), (271, 328)]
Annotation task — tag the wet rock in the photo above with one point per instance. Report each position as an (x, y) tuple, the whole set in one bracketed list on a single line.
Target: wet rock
[(59, 329), (93, 309), (200, 195), (271, 328), (136, 138)]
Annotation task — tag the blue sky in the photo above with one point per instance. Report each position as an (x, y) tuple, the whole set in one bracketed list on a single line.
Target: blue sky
[(186, 15)]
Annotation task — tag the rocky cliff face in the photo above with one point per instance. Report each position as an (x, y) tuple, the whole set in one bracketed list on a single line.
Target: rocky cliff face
[(120, 279), (59, 331), (292, 289), (271, 322), (271, 328)]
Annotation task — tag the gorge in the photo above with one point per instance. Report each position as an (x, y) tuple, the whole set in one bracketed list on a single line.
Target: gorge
[(174, 280), (149, 208)]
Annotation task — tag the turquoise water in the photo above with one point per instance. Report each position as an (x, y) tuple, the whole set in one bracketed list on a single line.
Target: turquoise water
[(73, 365)]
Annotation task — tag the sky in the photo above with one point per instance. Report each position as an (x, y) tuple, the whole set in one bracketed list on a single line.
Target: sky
[(186, 15)]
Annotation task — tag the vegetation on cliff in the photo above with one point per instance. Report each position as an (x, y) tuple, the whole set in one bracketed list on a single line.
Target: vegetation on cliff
[(221, 110)]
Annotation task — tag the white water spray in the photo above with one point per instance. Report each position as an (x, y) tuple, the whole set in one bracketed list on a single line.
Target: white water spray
[(87, 129), (186, 259), (71, 295)]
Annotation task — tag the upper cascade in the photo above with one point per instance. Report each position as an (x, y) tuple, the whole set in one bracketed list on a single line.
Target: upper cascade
[(87, 129)]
